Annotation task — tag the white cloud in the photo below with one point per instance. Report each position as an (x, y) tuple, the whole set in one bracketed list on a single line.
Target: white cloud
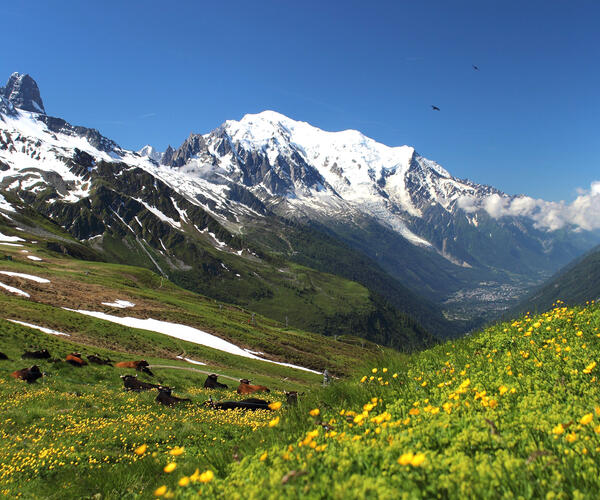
[(583, 212)]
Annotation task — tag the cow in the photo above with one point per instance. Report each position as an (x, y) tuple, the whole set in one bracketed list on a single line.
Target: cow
[(131, 383), (246, 388), (141, 366), (97, 360), (75, 359), (211, 383), (164, 397), (42, 354), (3, 356), (291, 397), (30, 375), (246, 404)]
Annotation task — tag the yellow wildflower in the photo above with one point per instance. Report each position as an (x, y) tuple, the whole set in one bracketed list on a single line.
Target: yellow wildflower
[(170, 467), (208, 476), (274, 422), (140, 450), (406, 458), (264, 456), (184, 481), (176, 451), (160, 491), (586, 419), (314, 412), (417, 460), (275, 406)]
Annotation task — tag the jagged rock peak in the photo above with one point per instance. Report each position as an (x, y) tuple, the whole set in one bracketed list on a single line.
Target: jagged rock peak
[(22, 91)]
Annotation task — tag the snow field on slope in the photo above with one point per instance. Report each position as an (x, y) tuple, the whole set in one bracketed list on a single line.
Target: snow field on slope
[(30, 277), (41, 328), (183, 332)]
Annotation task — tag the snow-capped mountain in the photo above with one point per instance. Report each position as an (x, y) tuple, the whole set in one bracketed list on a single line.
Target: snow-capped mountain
[(149, 152), (313, 172), (426, 228)]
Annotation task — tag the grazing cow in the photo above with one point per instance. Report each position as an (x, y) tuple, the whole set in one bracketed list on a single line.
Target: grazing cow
[(97, 360), (3, 356), (75, 359), (211, 383), (30, 375), (140, 366), (246, 404), (246, 388), (291, 397), (43, 354), (131, 383), (164, 397)]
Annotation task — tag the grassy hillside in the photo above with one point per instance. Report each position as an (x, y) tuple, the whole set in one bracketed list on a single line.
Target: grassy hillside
[(479, 417), (320, 300), (575, 284)]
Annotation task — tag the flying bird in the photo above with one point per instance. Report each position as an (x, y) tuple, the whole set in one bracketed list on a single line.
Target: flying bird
[(435, 108), (476, 68)]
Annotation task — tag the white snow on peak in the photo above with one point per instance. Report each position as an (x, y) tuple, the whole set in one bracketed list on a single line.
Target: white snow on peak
[(150, 152)]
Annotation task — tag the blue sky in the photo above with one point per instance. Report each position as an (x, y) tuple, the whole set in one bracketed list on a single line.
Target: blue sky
[(154, 71)]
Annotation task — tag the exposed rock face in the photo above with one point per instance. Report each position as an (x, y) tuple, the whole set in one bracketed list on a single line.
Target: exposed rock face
[(6, 107), (23, 93)]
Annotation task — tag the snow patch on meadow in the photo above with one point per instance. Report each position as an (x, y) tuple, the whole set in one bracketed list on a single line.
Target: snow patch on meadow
[(41, 328)]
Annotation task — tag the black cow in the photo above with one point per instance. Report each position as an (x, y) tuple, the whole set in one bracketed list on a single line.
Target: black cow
[(246, 404), (43, 354), (30, 375), (3, 356), (97, 360), (291, 397), (211, 383), (164, 397), (131, 383)]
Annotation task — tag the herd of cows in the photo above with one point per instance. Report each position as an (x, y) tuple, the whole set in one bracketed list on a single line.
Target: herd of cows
[(131, 382)]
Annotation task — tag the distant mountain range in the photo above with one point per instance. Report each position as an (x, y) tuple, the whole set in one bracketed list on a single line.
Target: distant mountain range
[(226, 211)]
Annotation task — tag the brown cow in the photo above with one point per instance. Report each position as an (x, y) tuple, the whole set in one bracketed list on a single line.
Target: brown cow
[(246, 388), (75, 359), (141, 366), (30, 375)]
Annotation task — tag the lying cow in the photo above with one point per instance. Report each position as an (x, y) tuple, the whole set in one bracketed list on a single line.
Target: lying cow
[(42, 354), (30, 375), (211, 383), (246, 388), (131, 383), (164, 397), (97, 360), (3, 356), (75, 359), (246, 404), (141, 366), (291, 397)]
